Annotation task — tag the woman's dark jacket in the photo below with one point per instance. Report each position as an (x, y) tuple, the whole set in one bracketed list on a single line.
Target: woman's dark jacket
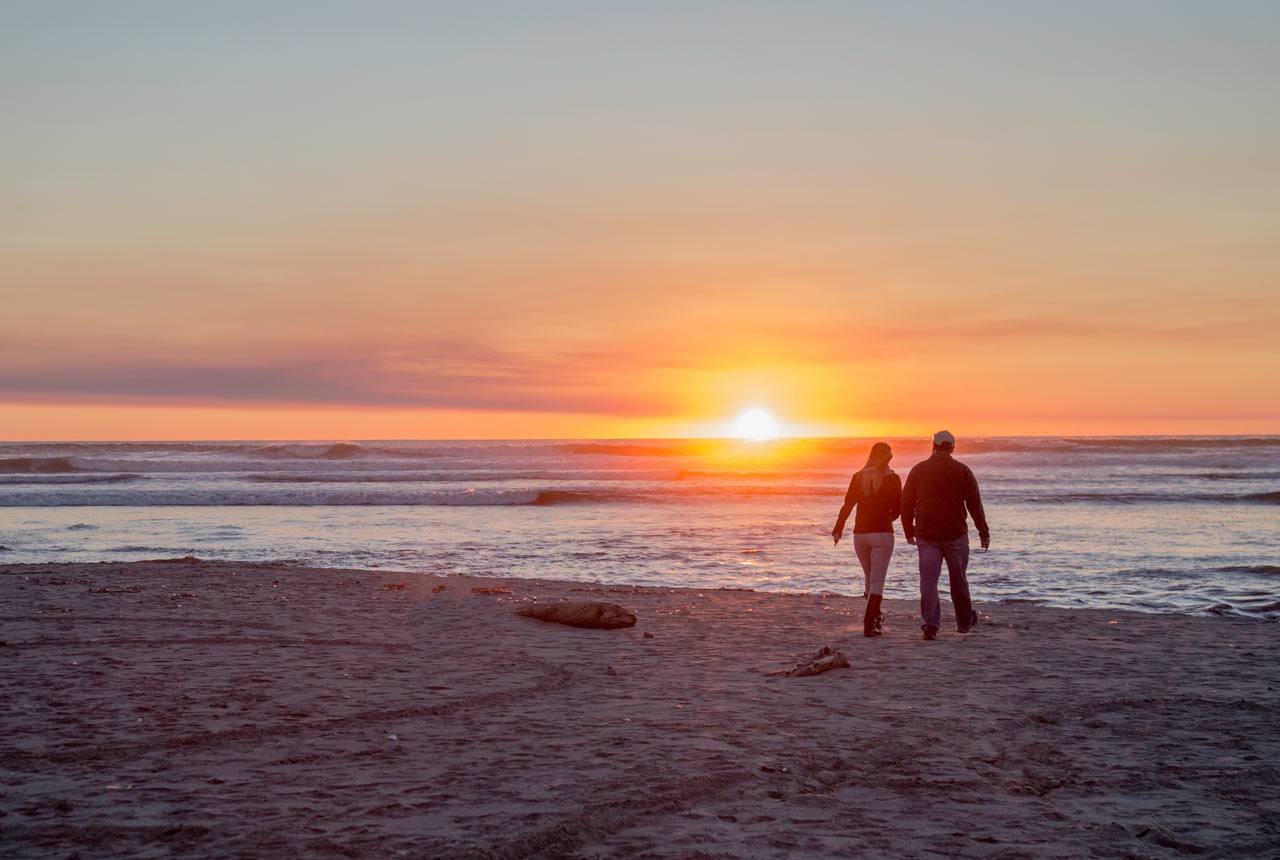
[(876, 511)]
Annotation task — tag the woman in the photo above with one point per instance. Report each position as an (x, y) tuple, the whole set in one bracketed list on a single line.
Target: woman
[(877, 493)]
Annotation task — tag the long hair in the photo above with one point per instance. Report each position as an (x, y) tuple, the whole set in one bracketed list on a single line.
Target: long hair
[(876, 468)]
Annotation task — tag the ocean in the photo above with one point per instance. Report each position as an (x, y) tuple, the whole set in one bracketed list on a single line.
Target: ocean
[(1175, 524)]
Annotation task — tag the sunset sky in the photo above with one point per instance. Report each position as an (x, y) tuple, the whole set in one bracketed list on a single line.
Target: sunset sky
[(416, 220)]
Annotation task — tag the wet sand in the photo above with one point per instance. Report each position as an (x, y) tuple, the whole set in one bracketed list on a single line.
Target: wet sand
[(222, 709)]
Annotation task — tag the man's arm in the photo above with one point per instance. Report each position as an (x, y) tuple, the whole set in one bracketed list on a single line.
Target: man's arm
[(909, 508), (973, 501), (850, 499)]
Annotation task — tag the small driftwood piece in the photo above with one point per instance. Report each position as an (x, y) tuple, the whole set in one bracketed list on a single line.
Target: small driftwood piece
[(824, 659)]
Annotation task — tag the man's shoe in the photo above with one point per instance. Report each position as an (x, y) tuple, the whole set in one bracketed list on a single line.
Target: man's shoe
[(930, 633), (973, 622)]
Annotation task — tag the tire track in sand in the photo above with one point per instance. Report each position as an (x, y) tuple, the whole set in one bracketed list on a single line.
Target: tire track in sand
[(611, 816), (557, 678)]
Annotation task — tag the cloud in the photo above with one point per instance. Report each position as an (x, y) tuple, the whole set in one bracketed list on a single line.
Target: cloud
[(448, 376), (636, 375)]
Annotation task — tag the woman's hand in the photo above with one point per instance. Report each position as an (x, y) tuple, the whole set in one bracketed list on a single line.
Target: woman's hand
[(836, 534)]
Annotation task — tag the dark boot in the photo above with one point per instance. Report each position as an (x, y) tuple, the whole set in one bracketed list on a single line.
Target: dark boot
[(871, 618)]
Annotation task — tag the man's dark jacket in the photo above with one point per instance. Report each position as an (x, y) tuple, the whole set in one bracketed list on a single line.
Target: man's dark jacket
[(934, 500)]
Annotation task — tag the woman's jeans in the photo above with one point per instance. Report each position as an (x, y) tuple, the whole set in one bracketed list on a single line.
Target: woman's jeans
[(874, 551), (956, 554)]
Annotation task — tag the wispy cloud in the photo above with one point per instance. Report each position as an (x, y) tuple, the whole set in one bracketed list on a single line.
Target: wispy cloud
[(443, 378), (635, 375)]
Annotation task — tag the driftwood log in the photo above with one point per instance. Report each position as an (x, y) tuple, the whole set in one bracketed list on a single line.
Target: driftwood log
[(824, 659), (581, 613)]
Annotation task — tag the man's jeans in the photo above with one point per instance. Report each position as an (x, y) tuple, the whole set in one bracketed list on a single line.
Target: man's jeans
[(956, 554)]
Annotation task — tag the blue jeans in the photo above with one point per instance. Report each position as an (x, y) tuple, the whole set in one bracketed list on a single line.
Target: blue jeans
[(956, 554)]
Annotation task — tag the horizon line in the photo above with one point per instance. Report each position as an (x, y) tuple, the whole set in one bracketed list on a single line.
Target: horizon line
[(780, 438)]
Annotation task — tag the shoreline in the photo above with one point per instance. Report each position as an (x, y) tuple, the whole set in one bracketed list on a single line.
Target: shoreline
[(215, 707), (854, 575)]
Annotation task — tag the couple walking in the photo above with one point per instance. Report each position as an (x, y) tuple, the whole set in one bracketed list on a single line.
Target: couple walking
[(932, 506)]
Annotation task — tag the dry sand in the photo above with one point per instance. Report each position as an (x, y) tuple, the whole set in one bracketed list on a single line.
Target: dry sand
[(221, 709)]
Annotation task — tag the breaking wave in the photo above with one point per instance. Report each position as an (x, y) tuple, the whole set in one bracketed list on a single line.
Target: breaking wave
[(1260, 569), (447, 489), (46, 480), (37, 465), (1271, 498), (239, 497), (341, 451), (331, 495), (463, 476)]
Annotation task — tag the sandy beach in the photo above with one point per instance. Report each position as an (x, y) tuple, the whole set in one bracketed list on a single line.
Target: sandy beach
[(219, 709)]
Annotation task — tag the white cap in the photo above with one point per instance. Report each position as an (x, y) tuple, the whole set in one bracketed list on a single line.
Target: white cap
[(944, 437)]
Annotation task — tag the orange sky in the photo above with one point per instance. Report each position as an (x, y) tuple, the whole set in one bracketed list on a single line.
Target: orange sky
[(488, 227)]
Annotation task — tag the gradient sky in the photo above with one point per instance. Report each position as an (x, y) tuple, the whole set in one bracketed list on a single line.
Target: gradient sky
[(418, 220)]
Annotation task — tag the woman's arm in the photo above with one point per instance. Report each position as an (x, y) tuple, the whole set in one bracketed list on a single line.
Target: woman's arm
[(850, 499)]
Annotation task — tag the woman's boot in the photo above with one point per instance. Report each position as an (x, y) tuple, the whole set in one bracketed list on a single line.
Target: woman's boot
[(871, 618)]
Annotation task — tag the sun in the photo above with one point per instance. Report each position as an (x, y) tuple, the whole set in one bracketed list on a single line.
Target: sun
[(755, 424)]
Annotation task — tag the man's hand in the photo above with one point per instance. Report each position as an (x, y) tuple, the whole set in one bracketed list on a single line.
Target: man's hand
[(986, 542), (836, 534)]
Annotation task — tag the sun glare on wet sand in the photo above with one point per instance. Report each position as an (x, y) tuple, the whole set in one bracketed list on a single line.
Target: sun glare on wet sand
[(755, 425)]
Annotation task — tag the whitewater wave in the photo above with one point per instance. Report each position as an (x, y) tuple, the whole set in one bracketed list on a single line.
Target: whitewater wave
[(46, 480), (223, 465), (1230, 476), (250, 498), (1270, 498), (410, 488), (326, 494), (461, 498), (1171, 443), (400, 489), (463, 476)]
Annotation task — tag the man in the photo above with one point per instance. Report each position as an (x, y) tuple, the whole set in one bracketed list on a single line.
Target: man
[(934, 500)]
